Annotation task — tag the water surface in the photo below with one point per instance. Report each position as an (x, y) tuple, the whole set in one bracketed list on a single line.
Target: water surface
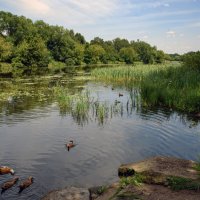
[(34, 131)]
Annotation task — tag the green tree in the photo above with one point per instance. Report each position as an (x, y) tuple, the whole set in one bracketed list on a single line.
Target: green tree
[(6, 50), (192, 60), (128, 55), (31, 57), (80, 38), (160, 56), (78, 54), (43, 30), (93, 54), (16, 28), (146, 53), (120, 43), (60, 44), (98, 41)]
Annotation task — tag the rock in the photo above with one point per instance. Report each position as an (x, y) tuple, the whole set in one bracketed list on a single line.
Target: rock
[(96, 191), (167, 166), (110, 192), (68, 193), (125, 171)]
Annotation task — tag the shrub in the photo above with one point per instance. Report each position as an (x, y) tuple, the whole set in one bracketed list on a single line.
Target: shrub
[(192, 60)]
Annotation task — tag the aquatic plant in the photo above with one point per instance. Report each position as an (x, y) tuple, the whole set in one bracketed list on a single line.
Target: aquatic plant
[(174, 87), (168, 85), (83, 107)]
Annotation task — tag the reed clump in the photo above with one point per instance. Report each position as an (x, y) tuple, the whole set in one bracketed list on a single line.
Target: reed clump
[(170, 85), (82, 106)]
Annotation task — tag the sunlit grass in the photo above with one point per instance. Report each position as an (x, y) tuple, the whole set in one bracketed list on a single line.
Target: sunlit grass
[(127, 73), (168, 85)]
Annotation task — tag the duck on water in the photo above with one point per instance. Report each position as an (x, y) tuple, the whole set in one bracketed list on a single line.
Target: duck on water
[(8, 184), (26, 183), (6, 170), (70, 145)]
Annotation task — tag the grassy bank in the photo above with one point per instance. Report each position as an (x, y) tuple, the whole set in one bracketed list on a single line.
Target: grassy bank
[(127, 74), (168, 85)]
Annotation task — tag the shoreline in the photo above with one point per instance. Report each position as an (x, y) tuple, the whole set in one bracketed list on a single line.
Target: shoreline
[(153, 178)]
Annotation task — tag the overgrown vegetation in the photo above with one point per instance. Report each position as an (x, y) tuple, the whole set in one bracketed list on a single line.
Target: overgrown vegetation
[(191, 60), (82, 106), (37, 47), (174, 86), (126, 74)]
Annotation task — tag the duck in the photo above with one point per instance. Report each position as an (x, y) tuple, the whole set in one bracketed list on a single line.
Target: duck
[(121, 95), (8, 184), (117, 102), (70, 145), (6, 170), (26, 183)]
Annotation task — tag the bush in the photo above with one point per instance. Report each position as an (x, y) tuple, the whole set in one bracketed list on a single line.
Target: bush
[(192, 60)]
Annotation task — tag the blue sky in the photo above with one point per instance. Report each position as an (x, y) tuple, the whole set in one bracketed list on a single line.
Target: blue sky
[(171, 25)]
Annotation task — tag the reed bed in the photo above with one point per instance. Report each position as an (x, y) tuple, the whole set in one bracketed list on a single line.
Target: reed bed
[(83, 107), (174, 87), (126, 73), (168, 85)]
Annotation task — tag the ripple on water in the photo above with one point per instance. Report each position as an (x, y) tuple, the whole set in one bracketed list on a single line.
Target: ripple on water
[(33, 143)]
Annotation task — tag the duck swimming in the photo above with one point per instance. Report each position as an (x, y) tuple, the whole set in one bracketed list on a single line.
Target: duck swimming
[(70, 145), (9, 184), (6, 170), (121, 95), (26, 183)]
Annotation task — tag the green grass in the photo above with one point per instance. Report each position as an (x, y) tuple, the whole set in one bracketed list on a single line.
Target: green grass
[(136, 180), (168, 85), (174, 87), (127, 74), (180, 183)]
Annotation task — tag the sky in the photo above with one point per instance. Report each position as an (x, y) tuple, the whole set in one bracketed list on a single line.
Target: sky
[(171, 25)]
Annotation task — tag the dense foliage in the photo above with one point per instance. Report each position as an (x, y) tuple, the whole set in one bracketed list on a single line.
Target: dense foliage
[(31, 47), (170, 85), (191, 60)]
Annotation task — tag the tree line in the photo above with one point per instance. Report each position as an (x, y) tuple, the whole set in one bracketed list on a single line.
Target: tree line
[(28, 47)]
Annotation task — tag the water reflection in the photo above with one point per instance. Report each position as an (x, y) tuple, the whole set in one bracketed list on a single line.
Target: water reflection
[(113, 130)]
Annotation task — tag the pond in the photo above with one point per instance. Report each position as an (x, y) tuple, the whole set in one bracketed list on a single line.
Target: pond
[(34, 131)]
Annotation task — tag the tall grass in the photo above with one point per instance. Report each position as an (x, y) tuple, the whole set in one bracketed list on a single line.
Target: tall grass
[(174, 87), (168, 85), (82, 106), (126, 73)]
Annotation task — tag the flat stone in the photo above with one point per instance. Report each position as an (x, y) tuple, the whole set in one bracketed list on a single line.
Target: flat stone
[(68, 193), (168, 166)]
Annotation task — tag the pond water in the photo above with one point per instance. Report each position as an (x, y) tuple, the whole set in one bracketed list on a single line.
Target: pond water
[(34, 131)]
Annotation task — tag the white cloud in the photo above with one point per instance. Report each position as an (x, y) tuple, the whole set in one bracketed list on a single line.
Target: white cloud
[(171, 33), (145, 37), (33, 6), (68, 12)]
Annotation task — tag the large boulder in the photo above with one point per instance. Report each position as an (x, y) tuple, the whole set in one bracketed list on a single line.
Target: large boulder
[(167, 166)]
